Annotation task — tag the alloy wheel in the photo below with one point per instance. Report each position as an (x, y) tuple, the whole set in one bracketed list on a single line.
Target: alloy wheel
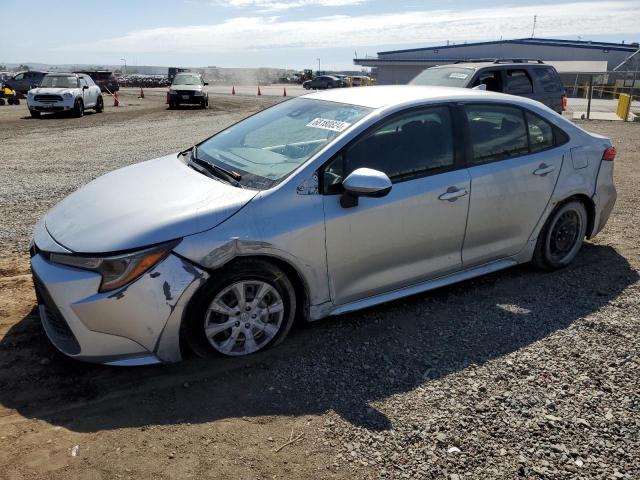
[(244, 317)]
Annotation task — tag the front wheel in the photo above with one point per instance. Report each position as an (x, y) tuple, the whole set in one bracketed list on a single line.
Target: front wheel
[(34, 113), (78, 108), (248, 307), (562, 236)]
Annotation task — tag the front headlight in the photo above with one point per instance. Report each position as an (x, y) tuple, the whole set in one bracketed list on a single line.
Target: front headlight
[(117, 270), (68, 94), (172, 91), (197, 93)]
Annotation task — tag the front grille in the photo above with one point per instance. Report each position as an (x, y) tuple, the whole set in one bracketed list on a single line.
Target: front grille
[(48, 98), (53, 322), (191, 93)]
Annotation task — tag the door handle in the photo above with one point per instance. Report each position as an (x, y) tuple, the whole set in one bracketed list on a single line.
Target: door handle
[(543, 169), (452, 194)]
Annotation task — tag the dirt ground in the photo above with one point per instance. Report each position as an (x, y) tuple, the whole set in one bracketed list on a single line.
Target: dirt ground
[(527, 374)]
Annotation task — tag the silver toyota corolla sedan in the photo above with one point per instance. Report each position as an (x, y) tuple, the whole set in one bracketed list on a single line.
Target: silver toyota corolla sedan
[(318, 206)]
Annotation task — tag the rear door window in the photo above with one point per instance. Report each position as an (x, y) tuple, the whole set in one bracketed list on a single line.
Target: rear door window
[(497, 132), (540, 133), (518, 82), (548, 78)]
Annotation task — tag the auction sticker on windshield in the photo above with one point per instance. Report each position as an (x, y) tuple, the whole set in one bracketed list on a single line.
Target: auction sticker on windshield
[(327, 124), (460, 76)]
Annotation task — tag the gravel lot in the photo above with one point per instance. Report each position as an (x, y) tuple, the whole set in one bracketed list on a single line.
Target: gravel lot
[(519, 374)]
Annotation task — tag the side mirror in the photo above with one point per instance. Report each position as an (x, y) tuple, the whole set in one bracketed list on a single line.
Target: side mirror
[(364, 182), (84, 87), (206, 83)]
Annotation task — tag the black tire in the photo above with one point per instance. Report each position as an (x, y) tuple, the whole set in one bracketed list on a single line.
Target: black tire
[(562, 236), (2, 102), (10, 100), (16, 101), (204, 104), (99, 105), (34, 113), (241, 270), (78, 108)]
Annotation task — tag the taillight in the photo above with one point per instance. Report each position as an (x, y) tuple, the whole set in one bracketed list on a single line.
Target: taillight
[(564, 103), (609, 154)]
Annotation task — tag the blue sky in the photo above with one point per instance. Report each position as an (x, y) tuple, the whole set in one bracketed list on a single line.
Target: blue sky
[(285, 33)]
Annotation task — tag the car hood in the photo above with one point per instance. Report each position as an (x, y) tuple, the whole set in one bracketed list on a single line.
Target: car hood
[(143, 204), (179, 88), (51, 90)]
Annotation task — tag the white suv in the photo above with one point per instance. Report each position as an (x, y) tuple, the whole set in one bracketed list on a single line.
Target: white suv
[(60, 92)]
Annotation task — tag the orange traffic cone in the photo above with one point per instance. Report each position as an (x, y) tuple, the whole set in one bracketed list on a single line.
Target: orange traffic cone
[(259, 92), (285, 92), (141, 93), (116, 102), (233, 90)]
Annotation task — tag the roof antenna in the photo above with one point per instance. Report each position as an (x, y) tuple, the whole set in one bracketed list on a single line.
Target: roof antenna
[(535, 20)]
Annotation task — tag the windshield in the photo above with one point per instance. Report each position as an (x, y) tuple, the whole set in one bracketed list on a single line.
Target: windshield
[(268, 146), (59, 81), (187, 80), (444, 76)]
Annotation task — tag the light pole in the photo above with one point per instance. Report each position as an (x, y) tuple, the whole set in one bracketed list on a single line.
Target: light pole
[(125, 65), (318, 65)]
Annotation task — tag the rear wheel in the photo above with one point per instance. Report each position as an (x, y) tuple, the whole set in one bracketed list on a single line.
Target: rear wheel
[(562, 236), (16, 101), (99, 105), (248, 307)]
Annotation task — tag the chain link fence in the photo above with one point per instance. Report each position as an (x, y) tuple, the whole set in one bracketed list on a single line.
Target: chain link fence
[(604, 86)]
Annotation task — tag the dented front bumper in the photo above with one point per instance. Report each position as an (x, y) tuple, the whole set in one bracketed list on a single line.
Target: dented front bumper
[(137, 324)]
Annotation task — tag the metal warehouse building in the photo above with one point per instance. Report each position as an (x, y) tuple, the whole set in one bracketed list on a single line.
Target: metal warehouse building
[(400, 66)]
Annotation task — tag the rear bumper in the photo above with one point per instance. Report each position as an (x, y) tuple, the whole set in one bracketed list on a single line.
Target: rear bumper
[(136, 325), (604, 198)]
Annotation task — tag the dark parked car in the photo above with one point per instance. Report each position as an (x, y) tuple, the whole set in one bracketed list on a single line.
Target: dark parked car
[(526, 78), (24, 81), (324, 81), (105, 79)]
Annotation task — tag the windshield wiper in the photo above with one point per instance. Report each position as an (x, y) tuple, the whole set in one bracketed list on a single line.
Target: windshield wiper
[(230, 176)]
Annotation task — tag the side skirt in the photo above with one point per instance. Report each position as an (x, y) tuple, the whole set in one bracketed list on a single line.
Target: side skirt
[(320, 311)]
